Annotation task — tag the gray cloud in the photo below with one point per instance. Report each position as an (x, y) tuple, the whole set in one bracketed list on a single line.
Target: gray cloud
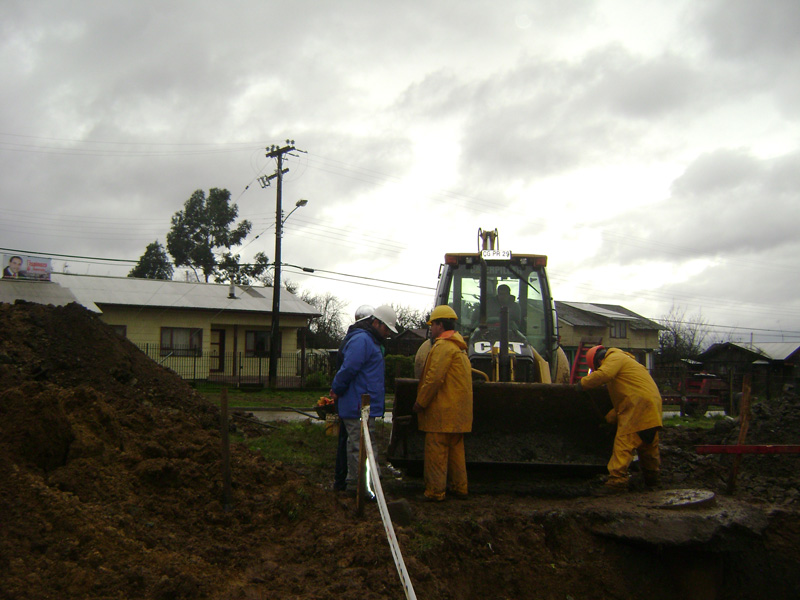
[(115, 113), (759, 41), (726, 205)]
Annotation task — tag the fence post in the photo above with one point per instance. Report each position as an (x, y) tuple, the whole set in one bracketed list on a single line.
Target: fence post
[(731, 396), (302, 359)]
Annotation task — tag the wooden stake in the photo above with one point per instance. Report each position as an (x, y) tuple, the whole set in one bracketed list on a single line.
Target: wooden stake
[(227, 496), (744, 424)]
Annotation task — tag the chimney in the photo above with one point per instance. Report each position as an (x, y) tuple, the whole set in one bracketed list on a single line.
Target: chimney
[(232, 292)]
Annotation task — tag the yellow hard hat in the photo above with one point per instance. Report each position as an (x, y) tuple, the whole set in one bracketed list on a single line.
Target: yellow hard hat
[(442, 312)]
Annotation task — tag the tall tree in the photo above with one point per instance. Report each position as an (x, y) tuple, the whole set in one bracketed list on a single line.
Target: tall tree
[(230, 269), (203, 226), (410, 318), (153, 264), (682, 336), (327, 330)]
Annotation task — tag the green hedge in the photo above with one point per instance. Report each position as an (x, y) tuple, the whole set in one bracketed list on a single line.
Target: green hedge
[(398, 366)]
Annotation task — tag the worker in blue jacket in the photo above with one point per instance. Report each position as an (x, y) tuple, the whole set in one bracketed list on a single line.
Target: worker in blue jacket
[(363, 320), (362, 372)]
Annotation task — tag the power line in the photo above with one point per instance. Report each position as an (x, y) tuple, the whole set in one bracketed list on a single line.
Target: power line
[(51, 254), (734, 306), (113, 142), (330, 165), (322, 163), (371, 285), (725, 327), (371, 282), (422, 287)]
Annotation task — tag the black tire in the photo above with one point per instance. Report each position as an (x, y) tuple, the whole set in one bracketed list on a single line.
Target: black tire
[(695, 409)]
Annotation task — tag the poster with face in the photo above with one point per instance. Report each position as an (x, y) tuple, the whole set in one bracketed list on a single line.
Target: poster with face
[(19, 266)]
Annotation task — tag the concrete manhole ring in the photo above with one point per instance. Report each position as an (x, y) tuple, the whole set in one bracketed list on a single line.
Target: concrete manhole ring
[(679, 499)]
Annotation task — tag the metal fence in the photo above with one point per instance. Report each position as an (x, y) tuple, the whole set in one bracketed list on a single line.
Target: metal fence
[(768, 382), (316, 368), (294, 370)]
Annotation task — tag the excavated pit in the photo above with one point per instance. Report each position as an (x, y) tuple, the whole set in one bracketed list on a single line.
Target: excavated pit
[(111, 487)]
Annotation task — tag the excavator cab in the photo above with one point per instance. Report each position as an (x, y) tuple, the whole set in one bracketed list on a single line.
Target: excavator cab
[(503, 302), (524, 412)]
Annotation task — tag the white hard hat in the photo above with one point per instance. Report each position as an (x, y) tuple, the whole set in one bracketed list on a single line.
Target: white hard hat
[(386, 315), (364, 311)]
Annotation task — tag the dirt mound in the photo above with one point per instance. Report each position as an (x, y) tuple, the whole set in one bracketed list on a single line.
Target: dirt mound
[(110, 475), (111, 487), (761, 478)]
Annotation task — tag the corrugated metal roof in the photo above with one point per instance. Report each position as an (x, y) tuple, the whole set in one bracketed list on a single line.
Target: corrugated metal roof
[(777, 350), (576, 317), (94, 290), (39, 292), (640, 321), (583, 314), (769, 350), (608, 313)]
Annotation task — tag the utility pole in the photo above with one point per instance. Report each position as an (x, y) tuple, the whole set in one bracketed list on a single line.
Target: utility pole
[(275, 333)]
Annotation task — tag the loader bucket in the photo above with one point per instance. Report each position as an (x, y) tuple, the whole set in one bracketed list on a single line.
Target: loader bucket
[(516, 426)]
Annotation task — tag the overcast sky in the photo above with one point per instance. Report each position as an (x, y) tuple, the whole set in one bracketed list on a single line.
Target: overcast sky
[(651, 149)]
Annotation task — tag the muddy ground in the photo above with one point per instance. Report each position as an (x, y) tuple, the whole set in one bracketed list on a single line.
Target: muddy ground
[(111, 487)]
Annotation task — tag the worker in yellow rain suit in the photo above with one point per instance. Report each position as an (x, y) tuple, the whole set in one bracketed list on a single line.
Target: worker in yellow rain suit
[(637, 413), (444, 407)]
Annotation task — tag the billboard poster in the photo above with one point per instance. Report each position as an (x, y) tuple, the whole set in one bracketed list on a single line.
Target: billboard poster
[(19, 266)]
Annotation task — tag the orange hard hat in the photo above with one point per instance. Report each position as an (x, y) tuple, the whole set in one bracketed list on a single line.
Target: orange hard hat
[(590, 356)]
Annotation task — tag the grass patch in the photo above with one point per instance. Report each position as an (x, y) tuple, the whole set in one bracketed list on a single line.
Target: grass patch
[(267, 398), (298, 443), (427, 538), (261, 398), (694, 422)]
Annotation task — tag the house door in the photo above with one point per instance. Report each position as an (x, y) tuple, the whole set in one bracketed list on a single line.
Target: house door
[(217, 363)]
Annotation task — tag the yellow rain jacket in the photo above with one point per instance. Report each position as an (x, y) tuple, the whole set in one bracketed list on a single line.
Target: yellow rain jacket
[(634, 394), (445, 387)]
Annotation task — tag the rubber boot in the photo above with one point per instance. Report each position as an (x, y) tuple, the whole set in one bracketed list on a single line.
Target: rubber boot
[(652, 479)]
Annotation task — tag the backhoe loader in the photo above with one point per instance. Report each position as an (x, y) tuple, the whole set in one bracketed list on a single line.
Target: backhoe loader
[(525, 414)]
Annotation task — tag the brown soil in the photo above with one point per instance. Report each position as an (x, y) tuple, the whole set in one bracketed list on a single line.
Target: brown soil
[(111, 487)]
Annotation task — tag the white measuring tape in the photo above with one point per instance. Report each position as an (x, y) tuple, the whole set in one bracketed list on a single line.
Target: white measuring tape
[(405, 580)]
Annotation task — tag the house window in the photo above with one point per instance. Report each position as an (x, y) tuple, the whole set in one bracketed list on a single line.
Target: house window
[(181, 341), (619, 329), (256, 343), (120, 330)]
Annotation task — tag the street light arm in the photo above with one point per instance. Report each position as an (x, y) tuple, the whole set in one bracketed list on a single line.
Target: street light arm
[(306, 269), (299, 204)]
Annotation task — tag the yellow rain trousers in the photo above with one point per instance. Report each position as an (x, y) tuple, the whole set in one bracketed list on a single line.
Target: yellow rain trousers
[(637, 408), (622, 456), (445, 395), (445, 465)]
